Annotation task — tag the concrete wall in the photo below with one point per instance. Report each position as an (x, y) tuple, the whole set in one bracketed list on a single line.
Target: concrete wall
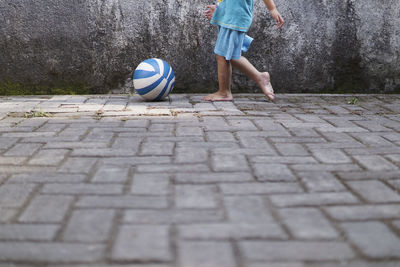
[(325, 45)]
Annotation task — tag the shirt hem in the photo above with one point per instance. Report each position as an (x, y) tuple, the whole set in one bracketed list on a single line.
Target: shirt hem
[(229, 26)]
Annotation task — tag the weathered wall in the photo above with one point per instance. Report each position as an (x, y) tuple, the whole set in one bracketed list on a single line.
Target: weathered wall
[(325, 45)]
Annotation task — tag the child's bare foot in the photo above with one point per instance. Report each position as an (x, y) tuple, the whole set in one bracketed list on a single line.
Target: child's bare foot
[(218, 97), (266, 86)]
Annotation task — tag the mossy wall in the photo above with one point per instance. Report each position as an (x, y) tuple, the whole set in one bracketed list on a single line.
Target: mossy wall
[(93, 46)]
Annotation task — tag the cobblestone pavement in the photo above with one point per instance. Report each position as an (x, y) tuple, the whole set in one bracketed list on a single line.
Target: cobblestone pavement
[(312, 180)]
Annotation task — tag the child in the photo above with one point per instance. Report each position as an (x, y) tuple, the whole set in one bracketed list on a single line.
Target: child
[(234, 18)]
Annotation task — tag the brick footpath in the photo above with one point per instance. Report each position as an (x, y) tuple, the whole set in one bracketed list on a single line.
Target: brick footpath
[(109, 180)]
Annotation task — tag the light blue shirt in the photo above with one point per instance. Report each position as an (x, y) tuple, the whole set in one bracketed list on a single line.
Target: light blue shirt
[(234, 14)]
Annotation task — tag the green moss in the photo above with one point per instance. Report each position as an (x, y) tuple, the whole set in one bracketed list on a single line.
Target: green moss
[(14, 88)]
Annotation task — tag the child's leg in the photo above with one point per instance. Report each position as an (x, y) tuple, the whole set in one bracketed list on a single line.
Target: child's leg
[(261, 78), (224, 81)]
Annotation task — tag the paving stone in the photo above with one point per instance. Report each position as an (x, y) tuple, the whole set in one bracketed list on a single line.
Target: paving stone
[(321, 181), (85, 226), (134, 161), (221, 231), (391, 136), (307, 223), (271, 126), (213, 123), (189, 131), (50, 252), (205, 253), (364, 212), (136, 123), (375, 163), (395, 184), (111, 174), (258, 143), (171, 138), (156, 136), (46, 209), (259, 188), (374, 239), (313, 199), (220, 136), (195, 196), (7, 142), (127, 143), (347, 167), (122, 202), (295, 250), (7, 214), (23, 150), (55, 128), (78, 165), (3, 177), (374, 191), (229, 163), (340, 138), (378, 150), (342, 121), (24, 232), (142, 243), (103, 152), (247, 209), (14, 195), (242, 125), (260, 151), (174, 168), (372, 126), (99, 136), (181, 216), (47, 178), (310, 118), (308, 133), (12, 160), (71, 131), (358, 263), (82, 189), (319, 125), (211, 177), (372, 139), (57, 144), (150, 184), (29, 134), (162, 127), (331, 156), (396, 224), (11, 169), (291, 149), (49, 157), (368, 175), (282, 159), (275, 264), (187, 155), (394, 158), (160, 148), (33, 122), (209, 144), (345, 146), (273, 172)]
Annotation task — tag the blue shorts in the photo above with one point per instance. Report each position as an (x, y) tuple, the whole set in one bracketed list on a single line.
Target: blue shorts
[(230, 43)]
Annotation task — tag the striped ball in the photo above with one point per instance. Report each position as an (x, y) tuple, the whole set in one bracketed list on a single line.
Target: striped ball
[(153, 79)]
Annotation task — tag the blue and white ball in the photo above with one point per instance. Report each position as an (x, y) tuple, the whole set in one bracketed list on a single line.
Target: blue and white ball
[(153, 79)]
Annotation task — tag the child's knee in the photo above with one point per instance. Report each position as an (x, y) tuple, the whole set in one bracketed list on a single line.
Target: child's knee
[(221, 59)]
